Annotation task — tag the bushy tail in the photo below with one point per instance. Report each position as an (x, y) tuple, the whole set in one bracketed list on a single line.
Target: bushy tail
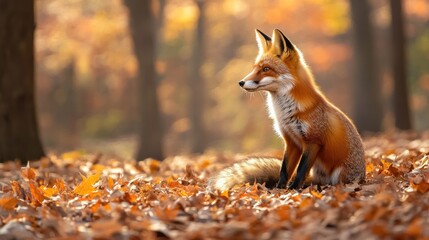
[(261, 170)]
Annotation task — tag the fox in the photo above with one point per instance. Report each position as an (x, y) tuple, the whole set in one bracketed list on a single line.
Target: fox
[(322, 145)]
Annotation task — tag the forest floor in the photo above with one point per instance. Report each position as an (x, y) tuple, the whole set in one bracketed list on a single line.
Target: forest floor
[(84, 196)]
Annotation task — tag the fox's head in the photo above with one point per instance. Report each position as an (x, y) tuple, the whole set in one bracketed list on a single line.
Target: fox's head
[(275, 66)]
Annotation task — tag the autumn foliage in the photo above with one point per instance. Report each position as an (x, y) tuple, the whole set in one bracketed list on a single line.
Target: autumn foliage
[(86, 71), (93, 196)]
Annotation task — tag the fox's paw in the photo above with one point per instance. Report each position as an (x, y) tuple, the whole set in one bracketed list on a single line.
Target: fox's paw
[(281, 184), (294, 185)]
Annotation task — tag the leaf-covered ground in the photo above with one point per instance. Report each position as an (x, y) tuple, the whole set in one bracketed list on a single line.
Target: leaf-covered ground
[(84, 196)]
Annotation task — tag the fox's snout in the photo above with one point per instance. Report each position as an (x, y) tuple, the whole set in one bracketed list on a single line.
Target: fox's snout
[(241, 83)]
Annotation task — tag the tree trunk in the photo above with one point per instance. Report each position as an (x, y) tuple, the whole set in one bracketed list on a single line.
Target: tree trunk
[(143, 33), (19, 137), (368, 113), (197, 86), (399, 69)]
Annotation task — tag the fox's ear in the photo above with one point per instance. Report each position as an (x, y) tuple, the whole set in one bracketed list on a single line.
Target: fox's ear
[(264, 42), (281, 43)]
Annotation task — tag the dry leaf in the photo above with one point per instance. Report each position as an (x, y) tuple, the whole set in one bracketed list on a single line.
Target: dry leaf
[(106, 228), (60, 185), (154, 166), (73, 155), (87, 184), (172, 202), (8, 202), (110, 182), (36, 194), (415, 228), (47, 191), (28, 173), (316, 194), (18, 190), (166, 214), (283, 212)]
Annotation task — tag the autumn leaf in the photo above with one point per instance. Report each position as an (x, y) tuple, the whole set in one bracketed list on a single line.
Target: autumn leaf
[(419, 184), (316, 194), (154, 165), (225, 194), (107, 207), (204, 163), (340, 196), (385, 163), (94, 208), (166, 214), (60, 185), (130, 197), (394, 171), (157, 180), (87, 184), (370, 167), (380, 230), (415, 228), (174, 202), (283, 212), (8, 202), (18, 190), (48, 192), (110, 182), (98, 168), (173, 183), (306, 202), (105, 228), (36, 194), (73, 155), (28, 173)]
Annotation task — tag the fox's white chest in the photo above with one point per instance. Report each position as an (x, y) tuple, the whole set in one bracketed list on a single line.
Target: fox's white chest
[(283, 110)]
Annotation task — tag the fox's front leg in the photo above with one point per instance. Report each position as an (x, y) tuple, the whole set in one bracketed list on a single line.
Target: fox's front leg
[(289, 163), (305, 164), (284, 176)]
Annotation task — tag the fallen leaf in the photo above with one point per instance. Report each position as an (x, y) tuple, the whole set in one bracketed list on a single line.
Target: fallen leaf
[(204, 163), (47, 191), (8, 202), (316, 194), (60, 185), (283, 212), (28, 173), (110, 182), (419, 184), (306, 202), (225, 194), (98, 168), (414, 229), (36, 194), (18, 190), (166, 214), (72, 155), (380, 230), (370, 167), (87, 184), (154, 165), (105, 228)]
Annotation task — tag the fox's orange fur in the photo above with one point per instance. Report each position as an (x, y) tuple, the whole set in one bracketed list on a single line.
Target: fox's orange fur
[(317, 134)]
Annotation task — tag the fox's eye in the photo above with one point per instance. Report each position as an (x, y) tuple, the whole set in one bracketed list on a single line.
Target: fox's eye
[(265, 69)]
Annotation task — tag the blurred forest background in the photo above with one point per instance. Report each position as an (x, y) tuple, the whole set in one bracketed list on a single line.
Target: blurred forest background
[(90, 83)]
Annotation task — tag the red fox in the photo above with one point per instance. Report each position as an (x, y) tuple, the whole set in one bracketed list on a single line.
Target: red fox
[(317, 135)]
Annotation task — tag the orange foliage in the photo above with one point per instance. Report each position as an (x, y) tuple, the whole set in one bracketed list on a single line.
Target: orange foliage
[(95, 37), (87, 185), (8, 202), (174, 200)]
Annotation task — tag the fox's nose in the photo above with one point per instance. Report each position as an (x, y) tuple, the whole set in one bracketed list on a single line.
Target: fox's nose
[(241, 83)]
